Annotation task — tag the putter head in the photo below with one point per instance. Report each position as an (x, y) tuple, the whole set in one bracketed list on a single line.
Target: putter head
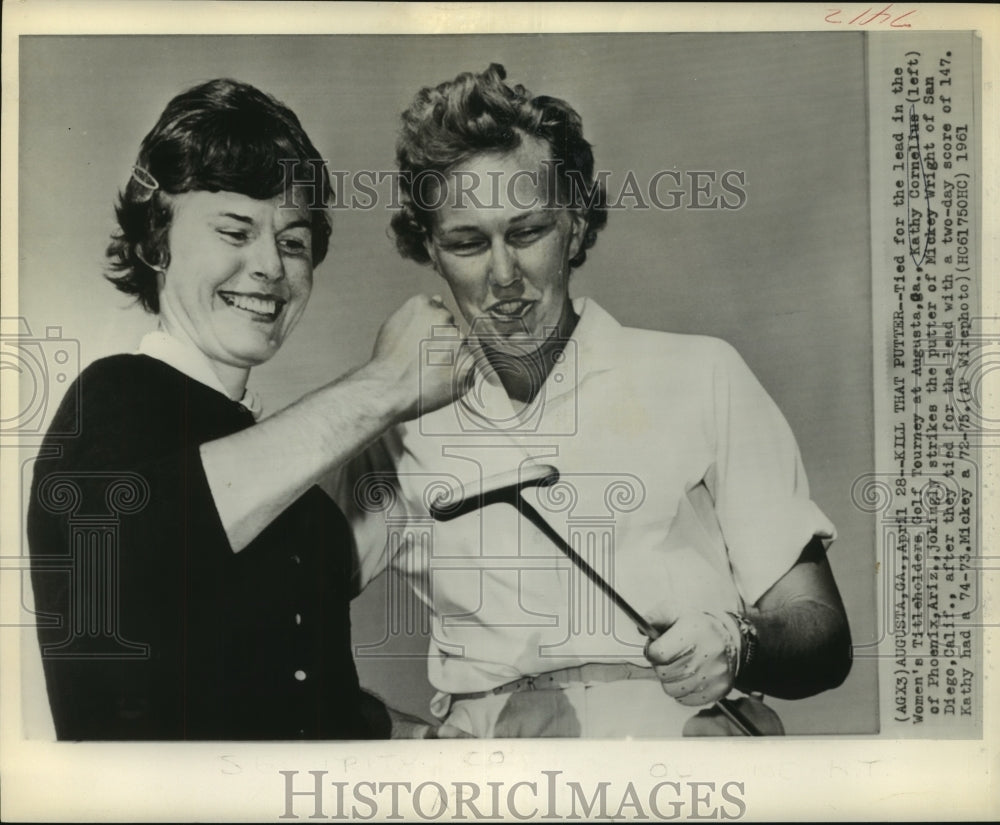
[(500, 488)]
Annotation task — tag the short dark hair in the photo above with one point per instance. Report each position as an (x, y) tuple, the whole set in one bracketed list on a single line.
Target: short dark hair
[(479, 113), (220, 136)]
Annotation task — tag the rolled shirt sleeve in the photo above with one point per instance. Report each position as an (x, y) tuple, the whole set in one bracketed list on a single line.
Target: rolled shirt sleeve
[(758, 481)]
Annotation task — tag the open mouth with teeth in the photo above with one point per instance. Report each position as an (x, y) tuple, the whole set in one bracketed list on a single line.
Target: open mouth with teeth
[(513, 310), (259, 307)]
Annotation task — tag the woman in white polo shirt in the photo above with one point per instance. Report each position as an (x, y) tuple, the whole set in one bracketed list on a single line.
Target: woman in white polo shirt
[(682, 481)]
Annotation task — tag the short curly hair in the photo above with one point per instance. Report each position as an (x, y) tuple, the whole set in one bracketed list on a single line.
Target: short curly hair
[(219, 136), (476, 114)]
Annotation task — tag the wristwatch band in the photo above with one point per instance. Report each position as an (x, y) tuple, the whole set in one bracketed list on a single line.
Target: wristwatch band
[(748, 640)]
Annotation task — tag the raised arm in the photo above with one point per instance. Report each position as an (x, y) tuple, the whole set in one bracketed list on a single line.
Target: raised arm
[(256, 473)]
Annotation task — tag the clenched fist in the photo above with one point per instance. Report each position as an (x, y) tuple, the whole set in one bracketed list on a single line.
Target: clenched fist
[(420, 352)]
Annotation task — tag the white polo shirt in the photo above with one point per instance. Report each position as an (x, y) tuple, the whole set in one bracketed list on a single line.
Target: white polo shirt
[(681, 483)]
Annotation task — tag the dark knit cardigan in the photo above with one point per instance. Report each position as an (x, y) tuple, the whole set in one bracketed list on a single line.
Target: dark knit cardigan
[(151, 627)]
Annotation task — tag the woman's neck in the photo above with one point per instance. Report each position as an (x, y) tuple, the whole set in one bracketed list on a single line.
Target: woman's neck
[(524, 374), (232, 378)]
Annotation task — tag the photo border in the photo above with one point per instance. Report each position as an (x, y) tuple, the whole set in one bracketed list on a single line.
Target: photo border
[(850, 778)]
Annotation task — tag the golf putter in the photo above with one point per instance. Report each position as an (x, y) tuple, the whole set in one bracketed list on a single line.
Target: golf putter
[(505, 488)]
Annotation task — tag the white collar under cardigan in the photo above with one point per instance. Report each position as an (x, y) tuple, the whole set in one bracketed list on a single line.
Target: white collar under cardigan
[(191, 361)]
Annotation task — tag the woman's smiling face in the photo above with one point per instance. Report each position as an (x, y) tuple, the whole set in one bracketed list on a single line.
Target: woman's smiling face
[(504, 246), (239, 274)]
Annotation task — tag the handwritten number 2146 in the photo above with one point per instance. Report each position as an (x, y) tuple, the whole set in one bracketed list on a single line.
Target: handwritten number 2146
[(883, 16)]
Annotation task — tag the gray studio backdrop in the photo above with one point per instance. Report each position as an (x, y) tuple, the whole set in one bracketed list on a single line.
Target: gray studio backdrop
[(785, 278)]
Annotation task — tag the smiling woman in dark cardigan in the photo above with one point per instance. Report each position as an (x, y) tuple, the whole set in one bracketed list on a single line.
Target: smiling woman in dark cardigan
[(190, 579)]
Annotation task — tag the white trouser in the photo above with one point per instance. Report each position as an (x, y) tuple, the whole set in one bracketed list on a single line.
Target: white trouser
[(627, 708)]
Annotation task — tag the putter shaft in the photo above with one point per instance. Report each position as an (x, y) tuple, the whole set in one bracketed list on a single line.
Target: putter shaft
[(728, 708), (542, 476)]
